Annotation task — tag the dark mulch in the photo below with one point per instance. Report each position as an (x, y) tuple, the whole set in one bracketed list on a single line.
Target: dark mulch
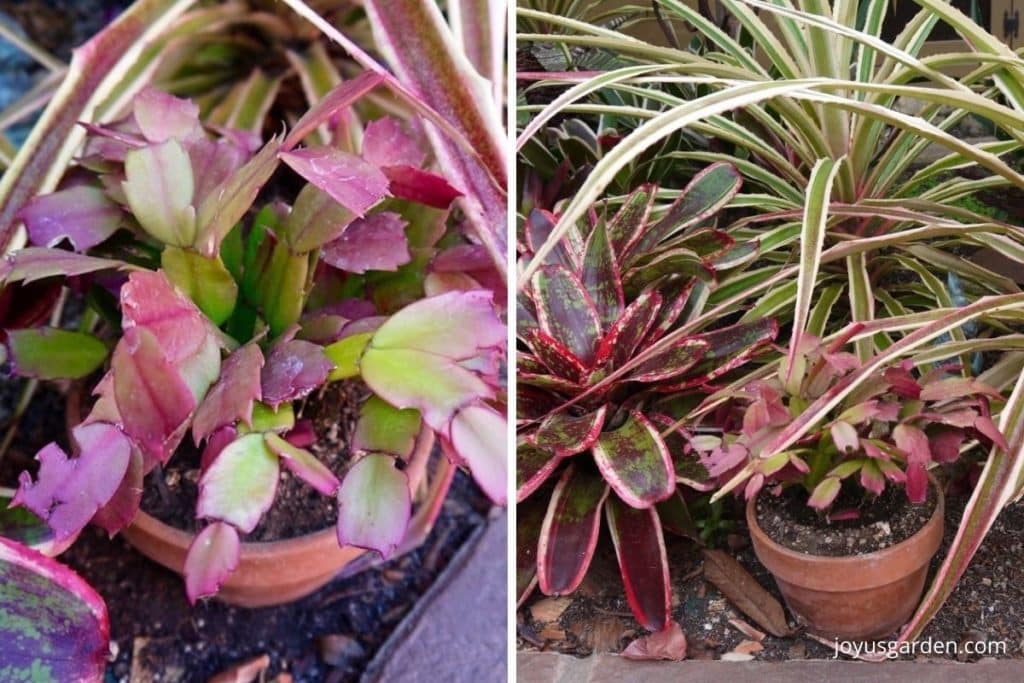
[(171, 494), (329, 636), (988, 604), (884, 521)]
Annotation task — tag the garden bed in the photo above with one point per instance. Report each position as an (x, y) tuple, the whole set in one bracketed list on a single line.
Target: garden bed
[(986, 606)]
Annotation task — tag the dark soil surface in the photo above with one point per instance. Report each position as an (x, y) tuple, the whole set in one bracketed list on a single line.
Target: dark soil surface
[(988, 604), (882, 522), (329, 636), (298, 508)]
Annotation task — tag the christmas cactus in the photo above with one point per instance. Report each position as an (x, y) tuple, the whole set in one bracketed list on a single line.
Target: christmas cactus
[(889, 430), (208, 316), (599, 377)]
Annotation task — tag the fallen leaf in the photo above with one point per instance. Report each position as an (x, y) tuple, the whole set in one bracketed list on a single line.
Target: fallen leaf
[(748, 647), (552, 633), (549, 609), (744, 592), (245, 672), (735, 657), (669, 643), (607, 633), (747, 630)]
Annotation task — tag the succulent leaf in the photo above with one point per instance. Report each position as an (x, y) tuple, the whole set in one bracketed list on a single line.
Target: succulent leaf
[(239, 485), (564, 435), (374, 505), (55, 625), (212, 557), (640, 548), (569, 534), (635, 462), (82, 215)]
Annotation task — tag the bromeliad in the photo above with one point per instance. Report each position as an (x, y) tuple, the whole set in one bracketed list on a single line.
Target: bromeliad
[(598, 376)]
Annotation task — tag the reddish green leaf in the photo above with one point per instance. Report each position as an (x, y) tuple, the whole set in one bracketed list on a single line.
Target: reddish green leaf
[(624, 336), (231, 399), (529, 520), (635, 462), (68, 492), (674, 515), (212, 557), (624, 227), (539, 225), (569, 534), (348, 179), (54, 626), (186, 337), (677, 359), (51, 353), (667, 263), (565, 311), (533, 467), (555, 357), (83, 215), (824, 493), (728, 349), (600, 277), (161, 117), (160, 187), (871, 477), (226, 204), (152, 398), (303, 464), (709, 191), (239, 485), (676, 298), (566, 435), (35, 263), (478, 438), (382, 428), (374, 505), (640, 547)]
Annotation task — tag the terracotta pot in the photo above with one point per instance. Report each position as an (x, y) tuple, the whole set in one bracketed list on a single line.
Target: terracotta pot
[(855, 597), (277, 572)]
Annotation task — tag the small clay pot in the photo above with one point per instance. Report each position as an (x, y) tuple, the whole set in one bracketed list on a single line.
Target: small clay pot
[(854, 597), (275, 572)]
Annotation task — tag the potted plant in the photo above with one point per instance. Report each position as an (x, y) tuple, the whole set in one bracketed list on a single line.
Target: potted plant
[(848, 517), (591, 420), (213, 320)]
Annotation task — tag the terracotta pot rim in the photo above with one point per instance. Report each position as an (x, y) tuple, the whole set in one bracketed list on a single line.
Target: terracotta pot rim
[(841, 561), (249, 549)]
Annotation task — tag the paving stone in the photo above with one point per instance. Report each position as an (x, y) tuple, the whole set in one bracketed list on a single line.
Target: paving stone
[(457, 633), (545, 667)]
